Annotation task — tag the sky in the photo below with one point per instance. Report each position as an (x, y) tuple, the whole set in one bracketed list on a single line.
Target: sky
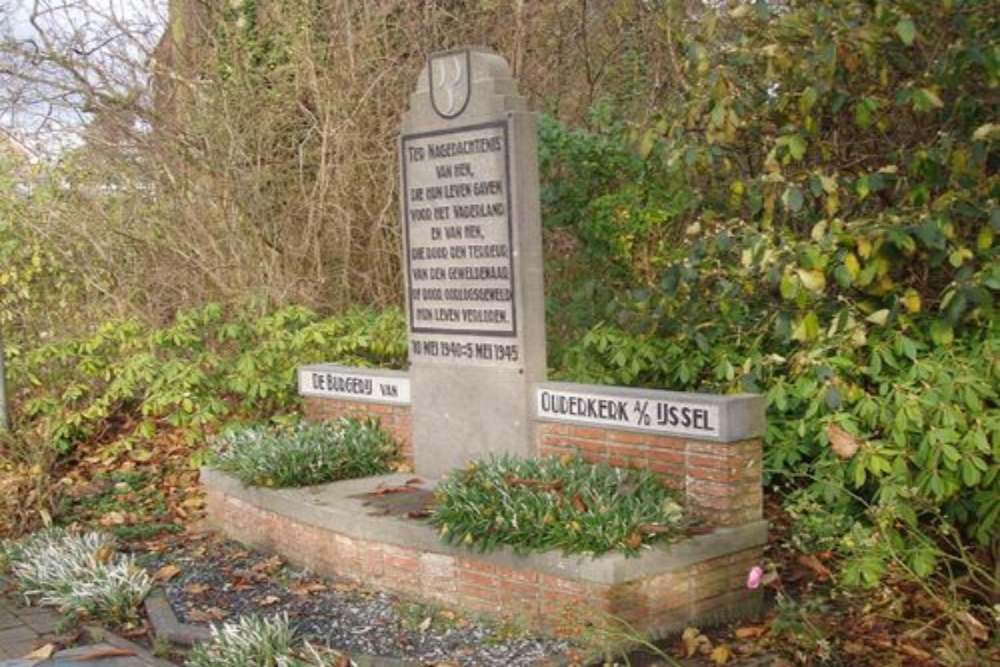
[(108, 39)]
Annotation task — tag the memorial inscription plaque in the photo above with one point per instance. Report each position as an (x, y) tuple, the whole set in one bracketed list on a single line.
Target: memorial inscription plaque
[(472, 261), (459, 236)]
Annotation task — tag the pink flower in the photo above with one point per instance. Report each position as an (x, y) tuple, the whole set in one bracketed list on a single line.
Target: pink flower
[(755, 577)]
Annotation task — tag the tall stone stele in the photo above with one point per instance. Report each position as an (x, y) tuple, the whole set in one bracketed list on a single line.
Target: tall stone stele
[(473, 260)]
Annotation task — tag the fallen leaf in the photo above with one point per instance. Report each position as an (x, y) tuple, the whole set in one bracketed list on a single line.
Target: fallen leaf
[(308, 588), (268, 601), (579, 505), (166, 573), (113, 518), (974, 626), (842, 443), (426, 624), (915, 652), (384, 490), (268, 566), (414, 481), (694, 641), (417, 514), (207, 615), (41, 653), (103, 652), (196, 589), (811, 562), (634, 541), (751, 631), (720, 654)]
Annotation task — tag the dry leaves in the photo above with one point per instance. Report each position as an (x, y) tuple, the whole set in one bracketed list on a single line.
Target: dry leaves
[(308, 588), (810, 561), (166, 573), (720, 654), (41, 653), (694, 641), (842, 443), (207, 615)]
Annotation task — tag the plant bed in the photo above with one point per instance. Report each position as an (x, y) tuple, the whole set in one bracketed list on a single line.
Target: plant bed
[(332, 529), (555, 503), (305, 453), (217, 581)]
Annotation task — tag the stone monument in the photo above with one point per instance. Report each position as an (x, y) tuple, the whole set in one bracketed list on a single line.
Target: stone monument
[(473, 261), (475, 387)]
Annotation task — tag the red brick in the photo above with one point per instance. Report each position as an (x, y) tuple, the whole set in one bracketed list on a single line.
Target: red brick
[(628, 437), (631, 452), (669, 455), (699, 488), (477, 578), (472, 564), (665, 468), (586, 432), (694, 460)]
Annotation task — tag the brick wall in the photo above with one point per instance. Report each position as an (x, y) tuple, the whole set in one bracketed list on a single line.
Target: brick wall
[(394, 419), (720, 481), (708, 591)]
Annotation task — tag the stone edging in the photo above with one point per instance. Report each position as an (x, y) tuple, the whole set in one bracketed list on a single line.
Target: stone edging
[(166, 624), (336, 507)]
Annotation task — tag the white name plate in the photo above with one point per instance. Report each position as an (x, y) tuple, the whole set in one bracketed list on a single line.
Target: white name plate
[(703, 416), (356, 384)]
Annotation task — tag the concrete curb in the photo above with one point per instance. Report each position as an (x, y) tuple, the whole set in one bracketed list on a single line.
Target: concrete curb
[(166, 625)]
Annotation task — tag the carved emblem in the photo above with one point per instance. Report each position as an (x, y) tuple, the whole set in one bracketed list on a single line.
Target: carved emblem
[(450, 83)]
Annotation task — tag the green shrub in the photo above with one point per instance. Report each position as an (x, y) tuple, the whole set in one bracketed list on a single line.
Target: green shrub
[(554, 503), (209, 366), (305, 453), (839, 258), (80, 574)]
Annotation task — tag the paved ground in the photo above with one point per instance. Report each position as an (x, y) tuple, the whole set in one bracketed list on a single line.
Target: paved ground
[(23, 629)]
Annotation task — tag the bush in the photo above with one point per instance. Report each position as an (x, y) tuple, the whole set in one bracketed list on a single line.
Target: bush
[(208, 366), (80, 574), (304, 454), (839, 256), (554, 503)]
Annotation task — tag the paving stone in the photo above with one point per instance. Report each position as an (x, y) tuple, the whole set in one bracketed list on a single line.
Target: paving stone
[(41, 621), (17, 635), (7, 619)]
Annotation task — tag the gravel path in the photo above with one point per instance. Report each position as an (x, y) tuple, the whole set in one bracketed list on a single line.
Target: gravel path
[(208, 579)]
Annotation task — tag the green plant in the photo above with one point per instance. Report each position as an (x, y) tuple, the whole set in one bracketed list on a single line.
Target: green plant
[(80, 574), (207, 366), (840, 259), (554, 503), (305, 453), (261, 642)]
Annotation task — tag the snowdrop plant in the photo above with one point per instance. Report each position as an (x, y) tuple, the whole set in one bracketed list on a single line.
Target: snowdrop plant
[(80, 574), (261, 642), (304, 454)]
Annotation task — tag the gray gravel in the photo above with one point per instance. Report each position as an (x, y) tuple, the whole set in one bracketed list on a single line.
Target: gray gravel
[(218, 580)]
